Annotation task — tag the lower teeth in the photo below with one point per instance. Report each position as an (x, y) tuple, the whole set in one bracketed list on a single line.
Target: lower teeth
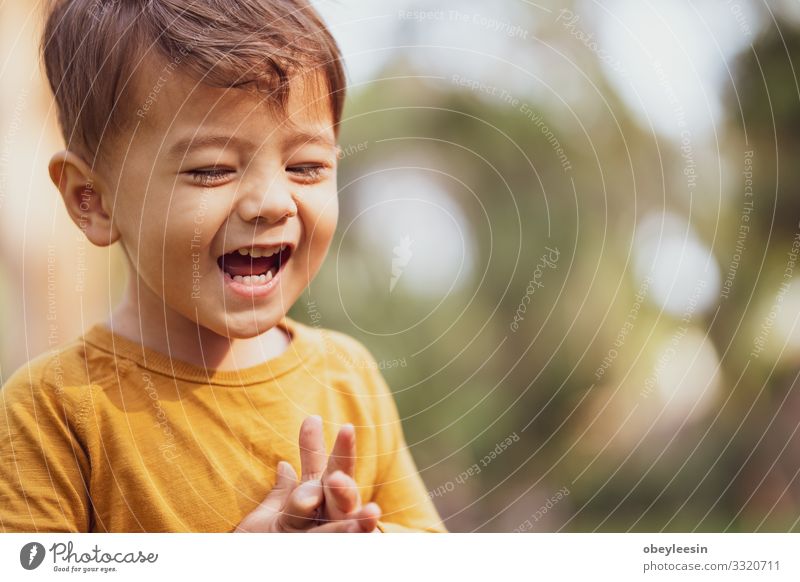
[(254, 279)]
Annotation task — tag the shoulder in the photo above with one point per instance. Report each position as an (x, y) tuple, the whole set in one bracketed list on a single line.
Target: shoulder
[(346, 356), (342, 347), (59, 379)]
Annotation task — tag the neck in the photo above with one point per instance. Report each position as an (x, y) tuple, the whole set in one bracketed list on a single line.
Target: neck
[(144, 318)]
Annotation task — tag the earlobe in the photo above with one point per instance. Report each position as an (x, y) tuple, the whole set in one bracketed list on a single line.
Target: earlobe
[(82, 197)]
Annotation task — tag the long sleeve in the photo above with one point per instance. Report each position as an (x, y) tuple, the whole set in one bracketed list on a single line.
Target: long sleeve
[(43, 468)]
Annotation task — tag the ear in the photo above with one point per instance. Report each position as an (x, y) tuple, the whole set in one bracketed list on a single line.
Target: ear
[(85, 201)]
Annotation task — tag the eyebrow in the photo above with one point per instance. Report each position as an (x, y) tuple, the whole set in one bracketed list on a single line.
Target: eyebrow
[(301, 138), (185, 146)]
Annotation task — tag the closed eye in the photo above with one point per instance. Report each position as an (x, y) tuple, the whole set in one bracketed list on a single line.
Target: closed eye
[(210, 176), (309, 172)]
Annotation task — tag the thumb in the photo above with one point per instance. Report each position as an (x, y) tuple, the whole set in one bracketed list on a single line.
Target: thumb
[(263, 517), (284, 485)]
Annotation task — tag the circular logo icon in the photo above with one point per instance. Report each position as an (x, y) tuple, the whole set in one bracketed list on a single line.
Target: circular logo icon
[(31, 555)]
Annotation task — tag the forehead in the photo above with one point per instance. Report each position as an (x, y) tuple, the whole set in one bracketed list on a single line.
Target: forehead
[(168, 103)]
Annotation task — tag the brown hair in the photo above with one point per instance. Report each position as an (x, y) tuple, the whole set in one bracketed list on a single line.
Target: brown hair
[(92, 49)]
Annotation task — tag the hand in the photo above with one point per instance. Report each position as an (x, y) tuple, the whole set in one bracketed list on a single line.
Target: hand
[(337, 472), (328, 493)]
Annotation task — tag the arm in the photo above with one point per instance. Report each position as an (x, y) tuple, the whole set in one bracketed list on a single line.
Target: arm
[(400, 491), (44, 470), (402, 496)]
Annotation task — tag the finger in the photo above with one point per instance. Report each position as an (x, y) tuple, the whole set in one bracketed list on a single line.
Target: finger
[(300, 512), (285, 483), (365, 520), (343, 455), (264, 517), (367, 517), (312, 449), (341, 495), (337, 527), (349, 526)]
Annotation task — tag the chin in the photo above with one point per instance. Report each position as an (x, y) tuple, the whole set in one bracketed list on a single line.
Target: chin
[(245, 326)]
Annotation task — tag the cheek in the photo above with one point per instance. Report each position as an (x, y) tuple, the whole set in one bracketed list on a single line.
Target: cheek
[(140, 211), (319, 220), (193, 221), (139, 227), (162, 232)]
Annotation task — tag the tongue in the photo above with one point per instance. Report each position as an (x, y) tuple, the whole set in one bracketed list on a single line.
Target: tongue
[(236, 264)]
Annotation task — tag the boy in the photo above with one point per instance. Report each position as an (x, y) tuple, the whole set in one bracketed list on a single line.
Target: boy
[(201, 136)]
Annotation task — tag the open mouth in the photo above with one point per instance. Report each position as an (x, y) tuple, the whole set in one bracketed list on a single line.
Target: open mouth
[(256, 265)]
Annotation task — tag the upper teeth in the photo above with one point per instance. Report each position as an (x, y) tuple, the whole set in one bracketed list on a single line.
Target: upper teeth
[(261, 252)]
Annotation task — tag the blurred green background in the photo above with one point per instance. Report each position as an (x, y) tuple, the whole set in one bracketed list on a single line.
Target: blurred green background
[(566, 235)]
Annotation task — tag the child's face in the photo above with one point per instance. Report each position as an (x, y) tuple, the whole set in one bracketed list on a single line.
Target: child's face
[(210, 180)]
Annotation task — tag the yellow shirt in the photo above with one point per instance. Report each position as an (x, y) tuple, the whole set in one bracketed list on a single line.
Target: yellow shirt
[(106, 435)]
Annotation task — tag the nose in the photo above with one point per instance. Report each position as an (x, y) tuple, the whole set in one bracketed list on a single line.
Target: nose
[(273, 203)]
